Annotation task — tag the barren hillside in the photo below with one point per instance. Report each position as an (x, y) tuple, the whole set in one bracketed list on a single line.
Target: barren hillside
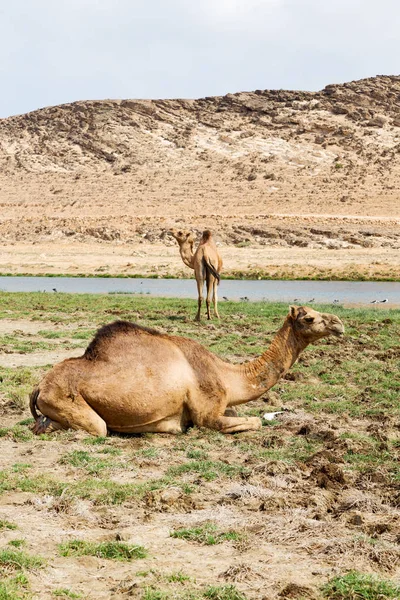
[(120, 172)]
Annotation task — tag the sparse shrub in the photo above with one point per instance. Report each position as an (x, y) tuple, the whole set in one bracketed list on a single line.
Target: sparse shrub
[(109, 550), (206, 534), (359, 586)]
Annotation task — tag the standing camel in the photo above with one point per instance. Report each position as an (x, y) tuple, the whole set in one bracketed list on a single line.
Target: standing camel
[(207, 264), (134, 379)]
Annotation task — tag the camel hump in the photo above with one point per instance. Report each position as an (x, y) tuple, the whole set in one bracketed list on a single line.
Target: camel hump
[(207, 235), (108, 332)]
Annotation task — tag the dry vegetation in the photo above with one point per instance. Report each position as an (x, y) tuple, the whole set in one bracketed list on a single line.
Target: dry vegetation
[(94, 185), (306, 508)]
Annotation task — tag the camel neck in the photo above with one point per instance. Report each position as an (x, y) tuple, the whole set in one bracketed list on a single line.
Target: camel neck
[(187, 255), (282, 353)]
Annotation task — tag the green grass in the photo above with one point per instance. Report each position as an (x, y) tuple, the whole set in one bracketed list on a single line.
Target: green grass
[(109, 550), (7, 525), (17, 543), (206, 534), (19, 560), (177, 577), (92, 464), (14, 588), (359, 586), (225, 592), (65, 593)]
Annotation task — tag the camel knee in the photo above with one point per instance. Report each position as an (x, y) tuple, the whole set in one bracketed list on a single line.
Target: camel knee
[(98, 429)]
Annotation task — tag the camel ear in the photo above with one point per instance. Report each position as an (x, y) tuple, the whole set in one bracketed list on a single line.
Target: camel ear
[(294, 312)]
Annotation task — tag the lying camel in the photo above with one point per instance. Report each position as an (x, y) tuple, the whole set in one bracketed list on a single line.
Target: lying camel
[(134, 379), (207, 265)]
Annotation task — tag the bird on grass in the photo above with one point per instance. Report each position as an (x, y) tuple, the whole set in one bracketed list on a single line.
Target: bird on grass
[(383, 301), (225, 298)]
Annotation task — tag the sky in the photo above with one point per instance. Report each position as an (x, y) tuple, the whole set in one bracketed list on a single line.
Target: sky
[(57, 51)]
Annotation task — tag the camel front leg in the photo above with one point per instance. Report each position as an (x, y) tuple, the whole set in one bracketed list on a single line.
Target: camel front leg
[(227, 424), (200, 283)]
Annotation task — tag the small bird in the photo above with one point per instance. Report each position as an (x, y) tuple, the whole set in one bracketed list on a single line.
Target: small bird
[(296, 300), (335, 301), (54, 289), (373, 301), (312, 300), (244, 299), (383, 301), (225, 298)]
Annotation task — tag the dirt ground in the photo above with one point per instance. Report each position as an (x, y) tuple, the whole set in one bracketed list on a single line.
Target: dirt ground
[(300, 523), (309, 247)]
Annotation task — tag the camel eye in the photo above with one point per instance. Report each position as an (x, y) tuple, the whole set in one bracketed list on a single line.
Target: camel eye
[(309, 319)]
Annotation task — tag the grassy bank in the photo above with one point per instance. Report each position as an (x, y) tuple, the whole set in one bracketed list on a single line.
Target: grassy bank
[(219, 517), (284, 273)]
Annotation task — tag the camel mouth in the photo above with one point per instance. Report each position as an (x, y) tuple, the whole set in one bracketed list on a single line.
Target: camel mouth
[(338, 332)]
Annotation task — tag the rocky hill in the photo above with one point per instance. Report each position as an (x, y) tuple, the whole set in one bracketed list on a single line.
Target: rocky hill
[(124, 170), (352, 125)]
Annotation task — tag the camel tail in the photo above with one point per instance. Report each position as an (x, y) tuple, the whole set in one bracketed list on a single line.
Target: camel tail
[(210, 269), (33, 398)]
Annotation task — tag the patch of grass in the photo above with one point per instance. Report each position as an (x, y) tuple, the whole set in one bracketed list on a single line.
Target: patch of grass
[(17, 543), (151, 593), (95, 441), (19, 433), (21, 467), (177, 577), (65, 593), (108, 550), (7, 525), (225, 592), (206, 534), (93, 465), (359, 586), (19, 560), (14, 588), (197, 454), (148, 452)]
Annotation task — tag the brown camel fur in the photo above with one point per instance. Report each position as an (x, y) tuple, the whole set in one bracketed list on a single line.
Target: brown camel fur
[(133, 379), (207, 265)]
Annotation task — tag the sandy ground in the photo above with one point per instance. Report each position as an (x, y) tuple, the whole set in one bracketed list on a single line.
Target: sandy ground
[(91, 258)]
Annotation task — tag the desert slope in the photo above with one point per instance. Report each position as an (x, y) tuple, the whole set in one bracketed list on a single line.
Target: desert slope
[(266, 169)]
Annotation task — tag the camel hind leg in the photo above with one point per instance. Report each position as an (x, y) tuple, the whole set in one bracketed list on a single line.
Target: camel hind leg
[(215, 297), (210, 286), (68, 412)]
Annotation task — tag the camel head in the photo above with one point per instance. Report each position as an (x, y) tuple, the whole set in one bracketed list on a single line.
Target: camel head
[(312, 325), (182, 236)]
